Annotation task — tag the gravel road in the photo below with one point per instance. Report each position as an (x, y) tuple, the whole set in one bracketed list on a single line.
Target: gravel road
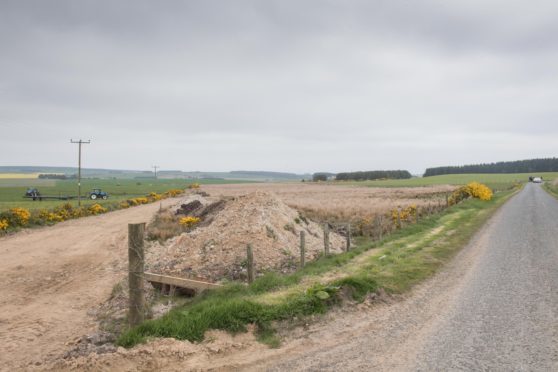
[(494, 308)]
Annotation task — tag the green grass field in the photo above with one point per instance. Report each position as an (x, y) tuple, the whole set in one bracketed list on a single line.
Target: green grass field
[(12, 190), (492, 180)]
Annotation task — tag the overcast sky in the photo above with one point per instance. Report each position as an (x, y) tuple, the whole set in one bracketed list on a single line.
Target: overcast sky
[(298, 86)]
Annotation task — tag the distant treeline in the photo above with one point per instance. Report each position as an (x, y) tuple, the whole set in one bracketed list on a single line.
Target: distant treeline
[(322, 176), (520, 166), (56, 176), (363, 176), (373, 175)]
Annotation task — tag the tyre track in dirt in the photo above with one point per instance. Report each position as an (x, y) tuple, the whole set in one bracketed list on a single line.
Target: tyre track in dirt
[(52, 277)]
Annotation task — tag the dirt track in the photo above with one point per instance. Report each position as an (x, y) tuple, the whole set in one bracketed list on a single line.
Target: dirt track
[(51, 279)]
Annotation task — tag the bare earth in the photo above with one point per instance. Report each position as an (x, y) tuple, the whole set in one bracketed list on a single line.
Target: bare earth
[(52, 277)]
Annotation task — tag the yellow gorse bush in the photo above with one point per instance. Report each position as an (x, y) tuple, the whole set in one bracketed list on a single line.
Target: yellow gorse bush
[(472, 190), (174, 192), (194, 186), (479, 191), (4, 224), (20, 216), (154, 196), (189, 221), (406, 214), (97, 209)]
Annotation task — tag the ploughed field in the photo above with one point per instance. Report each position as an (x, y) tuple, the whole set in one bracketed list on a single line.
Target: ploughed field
[(341, 204)]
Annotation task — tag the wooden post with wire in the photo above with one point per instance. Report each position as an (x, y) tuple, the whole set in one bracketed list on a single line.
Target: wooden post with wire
[(250, 263), (326, 239), (135, 272), (348, 237), (302, 248)]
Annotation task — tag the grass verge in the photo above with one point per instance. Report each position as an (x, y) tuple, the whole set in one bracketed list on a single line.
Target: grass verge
[(394, 264), (551, 188)]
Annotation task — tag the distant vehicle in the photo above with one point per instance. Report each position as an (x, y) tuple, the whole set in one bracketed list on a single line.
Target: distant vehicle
[(537, 179), (98, 194), (33, 194)]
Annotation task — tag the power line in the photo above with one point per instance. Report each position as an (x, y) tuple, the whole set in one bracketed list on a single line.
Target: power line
[(80, 142)]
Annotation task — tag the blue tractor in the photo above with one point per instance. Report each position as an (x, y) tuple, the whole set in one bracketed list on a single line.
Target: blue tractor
[(98, 194)]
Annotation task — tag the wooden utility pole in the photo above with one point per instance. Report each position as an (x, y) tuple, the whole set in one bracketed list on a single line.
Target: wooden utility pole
[(302, 248), (326, 239), (250, 263), (135, 272), (80, 142), (155, 167)]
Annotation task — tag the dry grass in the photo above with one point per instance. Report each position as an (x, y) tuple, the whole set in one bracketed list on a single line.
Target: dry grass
[(165, 225)]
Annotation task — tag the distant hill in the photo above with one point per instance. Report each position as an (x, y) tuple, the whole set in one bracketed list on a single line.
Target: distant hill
[(127, 174), (519, 166)]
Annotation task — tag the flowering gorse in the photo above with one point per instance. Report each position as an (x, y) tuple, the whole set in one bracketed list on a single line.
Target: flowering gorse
[(20, 216), (97, 209), (472, 190), (189, 221)]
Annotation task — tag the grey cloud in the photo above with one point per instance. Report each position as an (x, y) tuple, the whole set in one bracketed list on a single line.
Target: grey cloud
[(342, 85)]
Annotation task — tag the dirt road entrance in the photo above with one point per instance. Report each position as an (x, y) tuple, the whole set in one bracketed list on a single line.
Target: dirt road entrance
[(51, 279)]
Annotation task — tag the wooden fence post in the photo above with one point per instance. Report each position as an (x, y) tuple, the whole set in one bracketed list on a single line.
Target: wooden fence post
[(302, 248), (135, 272), (398, 218), (250, 263), (380, 227), (348, 237), (326, 239)]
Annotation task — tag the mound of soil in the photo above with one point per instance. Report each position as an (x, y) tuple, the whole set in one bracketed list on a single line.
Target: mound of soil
[(217, 250)]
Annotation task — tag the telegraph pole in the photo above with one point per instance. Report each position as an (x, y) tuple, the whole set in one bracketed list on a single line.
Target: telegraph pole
[(80, 142), (155, 167)]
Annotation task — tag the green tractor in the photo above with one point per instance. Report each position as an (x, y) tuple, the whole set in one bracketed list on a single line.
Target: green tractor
[(98, 194)]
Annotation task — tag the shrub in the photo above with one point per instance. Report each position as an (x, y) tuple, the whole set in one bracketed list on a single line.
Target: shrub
[(194, 186), (48, 216), (141, 201), (406, 214), (472, 190), (154, 196), (96, 209), (189, 221), (174, 192), (164, 226), (19, 216), (479, 191), (4, 224)]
